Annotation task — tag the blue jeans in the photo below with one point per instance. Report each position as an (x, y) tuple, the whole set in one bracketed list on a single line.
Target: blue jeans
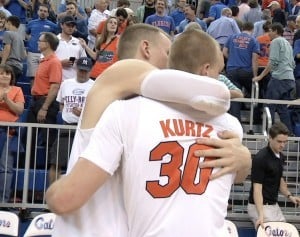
[(281, 90), (6, 172)]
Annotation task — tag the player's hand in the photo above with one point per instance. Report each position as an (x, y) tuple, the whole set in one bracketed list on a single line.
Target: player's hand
[(233, 156)]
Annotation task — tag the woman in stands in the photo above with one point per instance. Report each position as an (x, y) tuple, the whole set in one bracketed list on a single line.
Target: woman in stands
[(106, 48), (11, 107)]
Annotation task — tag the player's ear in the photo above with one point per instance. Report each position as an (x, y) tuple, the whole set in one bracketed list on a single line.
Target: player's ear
[(203, 69), (145, 49)]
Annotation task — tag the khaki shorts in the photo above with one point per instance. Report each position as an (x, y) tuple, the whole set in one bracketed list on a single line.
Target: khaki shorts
[(271, 213)]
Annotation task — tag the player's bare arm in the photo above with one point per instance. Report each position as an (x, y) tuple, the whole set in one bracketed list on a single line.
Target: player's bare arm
[(65, 195), (115, 83), (233, 156)]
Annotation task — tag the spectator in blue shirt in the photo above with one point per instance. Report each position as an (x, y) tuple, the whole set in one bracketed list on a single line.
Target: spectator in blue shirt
[(190, 16), (215, 11), (33, 31), (178, 14), (19, 8)]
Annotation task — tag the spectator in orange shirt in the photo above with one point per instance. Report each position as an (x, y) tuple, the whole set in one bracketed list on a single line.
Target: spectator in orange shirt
[(121, 15), (106, 48), (263, 59), (11, 106)]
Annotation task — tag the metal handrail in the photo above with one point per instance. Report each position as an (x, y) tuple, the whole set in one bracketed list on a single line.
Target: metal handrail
[(254, 95), (267, 121)]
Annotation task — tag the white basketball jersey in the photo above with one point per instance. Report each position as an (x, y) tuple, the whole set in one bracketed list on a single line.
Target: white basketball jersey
[(150, 145)]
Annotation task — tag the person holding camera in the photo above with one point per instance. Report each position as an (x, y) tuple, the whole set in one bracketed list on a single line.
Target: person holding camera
[(69, 48)]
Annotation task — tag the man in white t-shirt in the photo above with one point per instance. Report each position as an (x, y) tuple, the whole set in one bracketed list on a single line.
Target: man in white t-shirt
[(69, 48), (112, 199), (71, 97)]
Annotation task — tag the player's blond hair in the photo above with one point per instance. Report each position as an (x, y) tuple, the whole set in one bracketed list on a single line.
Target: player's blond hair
[(192, 49), (133, 35)]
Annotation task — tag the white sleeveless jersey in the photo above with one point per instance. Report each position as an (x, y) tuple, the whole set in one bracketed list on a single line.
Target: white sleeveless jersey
[(150, 145)]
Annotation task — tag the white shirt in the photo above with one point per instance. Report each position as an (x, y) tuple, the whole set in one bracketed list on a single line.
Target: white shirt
[(65, 50), (73, 94), (94, 20), (150, 145)]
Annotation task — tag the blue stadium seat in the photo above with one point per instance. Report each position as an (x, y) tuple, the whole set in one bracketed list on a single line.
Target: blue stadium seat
[(23, 116), (59, 119), (37, 179), (28, 99), (26, 87)]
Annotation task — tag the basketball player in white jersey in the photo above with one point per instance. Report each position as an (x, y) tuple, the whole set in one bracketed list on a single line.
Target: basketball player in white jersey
[(193, 129)]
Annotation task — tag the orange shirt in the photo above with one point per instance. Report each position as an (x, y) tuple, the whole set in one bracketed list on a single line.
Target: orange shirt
[(16, 95), (105, 57), (49, 71), (121, 28), (264, 45)]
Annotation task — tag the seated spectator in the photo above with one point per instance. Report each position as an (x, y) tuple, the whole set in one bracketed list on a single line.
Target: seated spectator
[(71, 96), (106, 48), (11, 107)]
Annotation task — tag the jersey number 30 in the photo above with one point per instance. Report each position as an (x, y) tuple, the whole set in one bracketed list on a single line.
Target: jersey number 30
[(186, 178)]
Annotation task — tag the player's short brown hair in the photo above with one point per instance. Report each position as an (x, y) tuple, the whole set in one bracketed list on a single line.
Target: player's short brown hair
[(196, 48), (133, 35)]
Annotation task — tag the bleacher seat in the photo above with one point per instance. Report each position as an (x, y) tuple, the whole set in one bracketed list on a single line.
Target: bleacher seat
[(28, 99), (59, 119), (23, 116), (41, 225), (37, 179), (9, 223), (231, 228), (26, 87), (276, 228)]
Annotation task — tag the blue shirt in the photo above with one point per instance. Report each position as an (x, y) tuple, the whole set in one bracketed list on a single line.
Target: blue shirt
[(34, 29), (216, 10), (185, 22), (178, 16), (295, 52), (222, 28), (17, 10), (166, 23), (240, 49)]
